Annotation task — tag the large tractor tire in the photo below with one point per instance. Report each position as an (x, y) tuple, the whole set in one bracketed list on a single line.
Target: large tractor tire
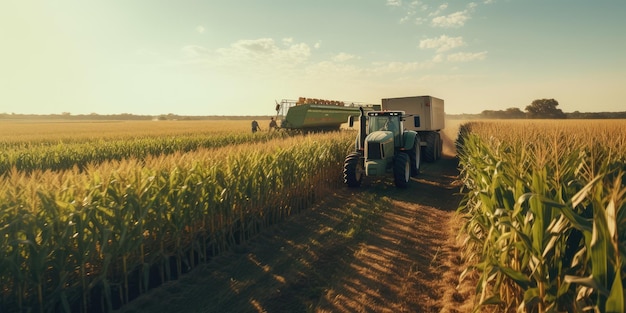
[(415, 157), (432, 142), (353, 170), (401, 170)]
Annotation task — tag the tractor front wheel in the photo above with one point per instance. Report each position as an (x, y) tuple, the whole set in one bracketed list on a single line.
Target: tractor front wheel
[(415, 156), (353, 170), (401, 170)]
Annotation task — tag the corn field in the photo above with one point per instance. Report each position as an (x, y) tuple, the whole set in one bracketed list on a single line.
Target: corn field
[(91, 237), (78, 145), (545, 214)]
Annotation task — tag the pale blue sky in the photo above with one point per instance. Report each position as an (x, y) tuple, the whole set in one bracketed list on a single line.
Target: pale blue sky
[(236, 57)]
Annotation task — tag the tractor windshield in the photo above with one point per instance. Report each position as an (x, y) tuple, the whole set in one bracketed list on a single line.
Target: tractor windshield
[(385, 122), (382, 122)]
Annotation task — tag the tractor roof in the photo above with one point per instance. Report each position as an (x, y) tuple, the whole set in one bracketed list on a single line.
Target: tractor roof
[(385, 113)]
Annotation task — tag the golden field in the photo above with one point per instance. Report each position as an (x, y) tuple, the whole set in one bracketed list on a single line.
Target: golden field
[(93, 214)]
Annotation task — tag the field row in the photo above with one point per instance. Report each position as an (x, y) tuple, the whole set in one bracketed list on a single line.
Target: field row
[(54, 132), (63, 149), (92, 239), (546, 213)]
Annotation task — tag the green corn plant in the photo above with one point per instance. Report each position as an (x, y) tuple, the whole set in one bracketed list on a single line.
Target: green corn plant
[(86, 236), (538, 215)]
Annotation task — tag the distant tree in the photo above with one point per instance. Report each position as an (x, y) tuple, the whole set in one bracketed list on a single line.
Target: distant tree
[(489, 114), (514, 113), (508, 113), (544, 108)]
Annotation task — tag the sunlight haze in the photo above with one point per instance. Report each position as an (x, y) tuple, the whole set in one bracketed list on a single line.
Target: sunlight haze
[(238, 57)]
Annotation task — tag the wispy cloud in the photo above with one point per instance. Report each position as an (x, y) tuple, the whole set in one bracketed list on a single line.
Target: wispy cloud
[(467, 56), (342, 57), (454, 20), (398, 67), (420, 12), (254, 56), (344, 70), (412, 9), (200, 29), (439, 10), (265, 51), (285, 57), (442, 43)]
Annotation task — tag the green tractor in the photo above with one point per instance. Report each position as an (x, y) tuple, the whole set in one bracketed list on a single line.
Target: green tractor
[(383, 146)]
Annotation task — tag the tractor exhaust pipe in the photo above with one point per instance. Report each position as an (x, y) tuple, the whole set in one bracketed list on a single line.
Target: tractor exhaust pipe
[(362, 128)]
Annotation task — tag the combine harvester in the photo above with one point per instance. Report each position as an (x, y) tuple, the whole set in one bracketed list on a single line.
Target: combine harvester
[(310, 114)]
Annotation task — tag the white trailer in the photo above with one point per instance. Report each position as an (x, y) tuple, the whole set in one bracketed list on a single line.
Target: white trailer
[(424, 114)]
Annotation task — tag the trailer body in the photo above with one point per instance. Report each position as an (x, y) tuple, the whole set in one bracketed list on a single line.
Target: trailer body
[(423, 113), (426, 116)]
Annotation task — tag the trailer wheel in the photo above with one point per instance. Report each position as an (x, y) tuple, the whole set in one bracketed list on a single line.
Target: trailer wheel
[(415, 156), (401, 170), (430, 151), (353, 170), (439, 146)]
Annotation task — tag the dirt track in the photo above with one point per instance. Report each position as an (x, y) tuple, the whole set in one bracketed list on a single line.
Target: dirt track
[(372, 249)]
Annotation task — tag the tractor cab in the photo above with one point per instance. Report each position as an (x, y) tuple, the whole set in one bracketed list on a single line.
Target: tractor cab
[(387, 121)]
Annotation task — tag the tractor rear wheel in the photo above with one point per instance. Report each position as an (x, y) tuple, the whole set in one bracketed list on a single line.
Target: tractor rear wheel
[(401, 170), (353, 170)]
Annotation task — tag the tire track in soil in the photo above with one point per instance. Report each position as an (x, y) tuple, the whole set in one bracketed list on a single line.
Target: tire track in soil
[(403, 256), (410, 261)]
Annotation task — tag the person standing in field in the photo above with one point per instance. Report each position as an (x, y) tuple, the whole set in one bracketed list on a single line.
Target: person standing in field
[(255, 126), (273, 124)]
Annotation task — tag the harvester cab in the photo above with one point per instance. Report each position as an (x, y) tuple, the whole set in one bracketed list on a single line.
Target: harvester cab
[(383, 146)]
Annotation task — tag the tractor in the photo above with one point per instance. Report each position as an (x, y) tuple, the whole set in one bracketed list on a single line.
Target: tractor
[(383, 146)]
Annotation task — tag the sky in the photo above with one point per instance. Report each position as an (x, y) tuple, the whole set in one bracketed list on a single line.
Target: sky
[(237, 57)]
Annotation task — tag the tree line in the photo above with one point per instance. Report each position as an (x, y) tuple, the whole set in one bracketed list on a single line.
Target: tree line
[(538, 109), (542, 109), (125, 117)]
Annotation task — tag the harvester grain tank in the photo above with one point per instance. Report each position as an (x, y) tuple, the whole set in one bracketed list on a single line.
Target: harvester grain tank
[(391, 140), (316, 114)]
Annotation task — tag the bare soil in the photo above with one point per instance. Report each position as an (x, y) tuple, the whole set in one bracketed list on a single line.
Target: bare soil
[(372, 249)]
